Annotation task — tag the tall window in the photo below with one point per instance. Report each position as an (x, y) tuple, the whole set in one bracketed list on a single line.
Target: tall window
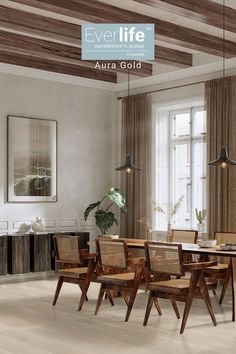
[(180, 165)]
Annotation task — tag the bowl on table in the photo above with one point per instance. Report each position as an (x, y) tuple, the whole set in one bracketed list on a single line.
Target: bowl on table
[(228, 246), (206, 243)]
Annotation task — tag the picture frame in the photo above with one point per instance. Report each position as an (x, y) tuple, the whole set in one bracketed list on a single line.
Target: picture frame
[(31, 159)]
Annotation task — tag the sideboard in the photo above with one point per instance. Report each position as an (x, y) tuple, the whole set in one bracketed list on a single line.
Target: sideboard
[(32, 252)]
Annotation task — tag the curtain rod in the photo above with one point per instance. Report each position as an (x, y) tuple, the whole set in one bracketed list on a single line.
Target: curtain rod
[(169, 88)]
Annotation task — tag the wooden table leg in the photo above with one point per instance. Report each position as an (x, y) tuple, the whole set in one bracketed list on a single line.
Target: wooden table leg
[(233, 288)]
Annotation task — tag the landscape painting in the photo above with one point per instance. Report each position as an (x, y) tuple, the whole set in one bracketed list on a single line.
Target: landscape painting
[(32, 160)]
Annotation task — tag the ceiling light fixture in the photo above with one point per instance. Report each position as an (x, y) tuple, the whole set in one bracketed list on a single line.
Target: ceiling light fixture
[(128, 166), (224, 159)]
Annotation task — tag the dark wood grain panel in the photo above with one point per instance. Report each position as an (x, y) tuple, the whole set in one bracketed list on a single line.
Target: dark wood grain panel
[(209, 12), (3, 255), (52, 29), (56, 66), (172, 56), (18, 254), (40, 245), (18, 20), (17, 43), (96, 11)]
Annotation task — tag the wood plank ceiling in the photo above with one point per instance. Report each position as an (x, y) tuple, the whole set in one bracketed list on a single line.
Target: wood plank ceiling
[(46, 34)]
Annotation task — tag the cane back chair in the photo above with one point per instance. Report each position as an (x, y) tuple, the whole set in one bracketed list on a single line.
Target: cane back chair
[(223, 270), (70, 258), (117, 276), (165, 260)]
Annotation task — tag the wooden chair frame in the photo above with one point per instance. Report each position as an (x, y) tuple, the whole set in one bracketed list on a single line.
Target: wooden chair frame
[(188, 258), (221, 273), (70, 273), (195, 287), (120, 279)]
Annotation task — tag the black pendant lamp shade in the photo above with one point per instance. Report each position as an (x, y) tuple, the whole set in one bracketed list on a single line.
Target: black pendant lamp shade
[(129, 165), (223, 160)]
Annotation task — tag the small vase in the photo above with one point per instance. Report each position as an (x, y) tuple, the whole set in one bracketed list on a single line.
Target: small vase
[(169, 237), (201, 231)]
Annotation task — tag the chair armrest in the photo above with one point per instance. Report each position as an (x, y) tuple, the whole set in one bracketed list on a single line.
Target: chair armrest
[(136, 261), (198, 266), (85, 256)]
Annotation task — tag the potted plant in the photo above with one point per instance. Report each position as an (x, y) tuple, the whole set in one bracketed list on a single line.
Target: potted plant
[(170, 212), (104, 217)]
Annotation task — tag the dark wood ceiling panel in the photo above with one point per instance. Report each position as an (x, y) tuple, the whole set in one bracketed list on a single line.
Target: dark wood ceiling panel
[(96, 11), (51, 29), (39, 48), (205, 11), (18, 20), (170, 56), (55, 66)]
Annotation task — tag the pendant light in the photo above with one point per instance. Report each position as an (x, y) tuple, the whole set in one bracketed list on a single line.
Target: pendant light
[(128, 166), (224, 159)]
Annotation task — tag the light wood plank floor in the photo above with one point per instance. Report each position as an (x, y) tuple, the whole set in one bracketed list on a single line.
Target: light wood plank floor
[(30, 325)]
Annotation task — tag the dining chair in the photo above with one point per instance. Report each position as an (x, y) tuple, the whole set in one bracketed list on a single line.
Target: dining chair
[(70, 258), (185, 236), (117, 275), (165, 260), (223, 269)]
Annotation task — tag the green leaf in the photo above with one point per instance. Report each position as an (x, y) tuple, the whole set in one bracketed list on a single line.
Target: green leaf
[(90, 208), (115, 195), (124, 210), (104, 220)]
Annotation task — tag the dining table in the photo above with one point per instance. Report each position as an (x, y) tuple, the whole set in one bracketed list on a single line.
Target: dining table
[(204, 254)]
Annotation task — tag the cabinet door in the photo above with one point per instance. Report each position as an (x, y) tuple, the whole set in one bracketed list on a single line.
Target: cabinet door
[(3, 255), (41, 253), (19, 254)]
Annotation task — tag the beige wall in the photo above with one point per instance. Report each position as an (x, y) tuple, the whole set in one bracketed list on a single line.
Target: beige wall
[(86, 147)]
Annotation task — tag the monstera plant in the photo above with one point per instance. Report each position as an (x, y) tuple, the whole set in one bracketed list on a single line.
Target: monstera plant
[(104, 217)]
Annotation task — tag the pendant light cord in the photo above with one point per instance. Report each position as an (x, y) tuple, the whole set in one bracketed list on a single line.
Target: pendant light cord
[(223, 44), (128, 100)]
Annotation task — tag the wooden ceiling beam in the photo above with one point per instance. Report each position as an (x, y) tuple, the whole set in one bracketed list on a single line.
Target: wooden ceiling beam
[(18, 20), (97, 11), (171, 56), (51, 29), (39, 48), (208, 12), (56, 66)]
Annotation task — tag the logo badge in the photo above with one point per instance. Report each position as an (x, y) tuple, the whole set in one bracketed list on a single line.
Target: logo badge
[(118, 41)]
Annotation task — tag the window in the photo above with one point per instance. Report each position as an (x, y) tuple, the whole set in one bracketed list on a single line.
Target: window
[(180, 165)]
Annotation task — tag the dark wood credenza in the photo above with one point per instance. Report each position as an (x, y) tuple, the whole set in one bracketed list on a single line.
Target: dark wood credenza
[(31, 252)]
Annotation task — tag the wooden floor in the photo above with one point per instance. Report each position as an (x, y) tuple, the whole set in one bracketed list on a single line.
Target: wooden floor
[(30, 325)]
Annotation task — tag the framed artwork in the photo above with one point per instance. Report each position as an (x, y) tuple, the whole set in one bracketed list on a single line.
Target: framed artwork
[(31, 159)]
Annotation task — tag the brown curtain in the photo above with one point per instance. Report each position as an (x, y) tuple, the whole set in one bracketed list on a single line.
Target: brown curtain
[(136, 140), (221, 119)]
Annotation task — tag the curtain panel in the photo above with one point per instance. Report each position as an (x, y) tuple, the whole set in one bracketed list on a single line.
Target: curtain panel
[(220, 97), (136, 140)]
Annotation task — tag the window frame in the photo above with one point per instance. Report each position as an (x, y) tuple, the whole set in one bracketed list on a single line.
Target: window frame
[(173, 141)]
